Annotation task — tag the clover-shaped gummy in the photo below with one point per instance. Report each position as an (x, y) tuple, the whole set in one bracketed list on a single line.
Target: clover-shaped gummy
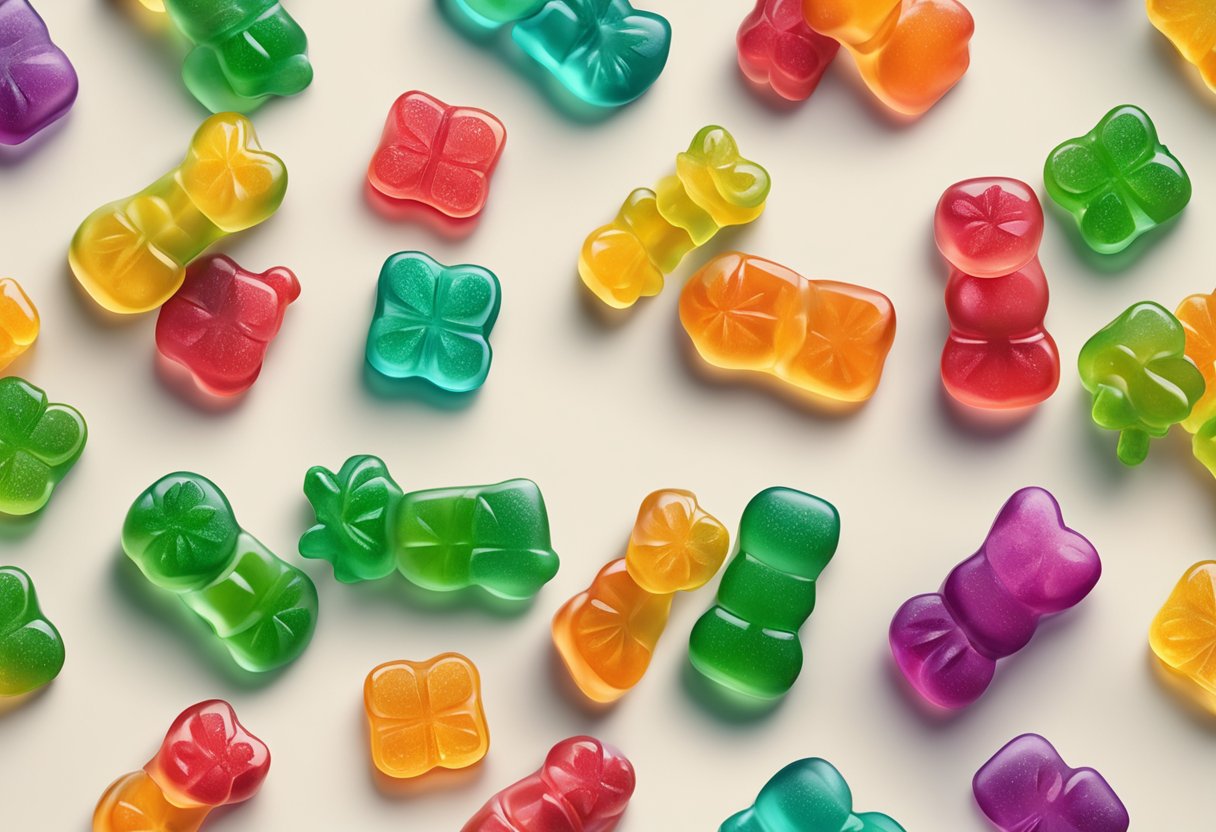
[(356, 511), (31, 650), (39, 444)]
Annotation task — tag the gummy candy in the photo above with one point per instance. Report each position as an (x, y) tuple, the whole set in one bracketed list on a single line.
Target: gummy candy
[(1026, 785), (444, 539), (1029, 566), (1118, 181), (998, 354), (748, 641), (37, 81), (131, 255), (713, 187), (1140, 378), (778, 48), (207, 760), (221, 321), (183, 536), (605, 52), (31, 650), (18, 321), (910, 52), (1197, 314), (40, 441), (675, 545), (584, 785), (1183, 635), (830, 339), (437, 154), (433, 322), (807, 796), (1191, 27)]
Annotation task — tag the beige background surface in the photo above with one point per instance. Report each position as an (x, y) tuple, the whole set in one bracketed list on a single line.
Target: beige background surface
[(599, 415)]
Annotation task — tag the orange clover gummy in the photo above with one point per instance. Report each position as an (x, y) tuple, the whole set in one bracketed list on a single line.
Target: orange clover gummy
[(675, 545), (1191, 27), (1183, 634)]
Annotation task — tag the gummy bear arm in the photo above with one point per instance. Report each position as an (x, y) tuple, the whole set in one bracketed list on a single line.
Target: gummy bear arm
[(1133, 446)]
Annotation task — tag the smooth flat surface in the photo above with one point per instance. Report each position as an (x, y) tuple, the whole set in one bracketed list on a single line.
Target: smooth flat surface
[(599, 415)]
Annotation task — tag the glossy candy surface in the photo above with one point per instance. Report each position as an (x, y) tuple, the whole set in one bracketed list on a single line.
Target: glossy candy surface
[(37, 81), (18, 321), (779, 49), (1118, 181), (1029, 566), (433, 322), (40, 441), (1026, 785), (1191, 27), (182, 534), (830, 339), (1197, 314), (1140, 378), (424, 715), (131, 255), (221, 321), (807, 796), (1183, 635), (675, 545), (748, 641), (584, 785), (31, 649)]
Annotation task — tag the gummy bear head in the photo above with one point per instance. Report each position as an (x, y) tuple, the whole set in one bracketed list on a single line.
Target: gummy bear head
[(229, 177), (738, 182), (790, 530), (595, 779), (988, 227)]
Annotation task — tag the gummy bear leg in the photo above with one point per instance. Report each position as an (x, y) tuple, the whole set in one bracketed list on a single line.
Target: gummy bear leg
[(205, 78)]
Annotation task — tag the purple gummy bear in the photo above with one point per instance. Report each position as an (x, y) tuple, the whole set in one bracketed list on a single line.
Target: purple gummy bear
[(1027, 786), (37, 81), (1030, 565)]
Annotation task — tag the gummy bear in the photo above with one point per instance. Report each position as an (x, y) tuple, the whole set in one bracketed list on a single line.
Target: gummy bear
[(433, 322), (584, 785), (18, 321), (778, 48), (748, 641), (31, 649), (131, 255), (40, 441), (713, 187), (1183, 635), (675, 545), (827, 338), (1197, 314), (1191, 27), (220, 322), (807, 796), (425, 714), (998, 354), (1026, 785), (1118, 181), (183, 536), (207, 760), (910, 52), (37, 81), (437, 154), (444, 539), (1029, 566), (1141, 380)]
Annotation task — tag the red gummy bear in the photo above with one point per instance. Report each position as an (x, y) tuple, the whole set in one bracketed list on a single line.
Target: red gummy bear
[(583, 786), (221, 321), (778, 48), (437, 154)]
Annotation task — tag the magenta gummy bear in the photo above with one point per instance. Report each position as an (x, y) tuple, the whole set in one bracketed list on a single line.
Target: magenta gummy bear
[(37, 81), (1030, 565), (1027, 786)]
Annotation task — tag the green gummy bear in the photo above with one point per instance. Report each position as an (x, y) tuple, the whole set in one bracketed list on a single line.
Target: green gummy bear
[(1118, 181), (39, 444), (1140, 378), (748, 641), (492, 536), (807, 796), (182, 534), (31, 650)]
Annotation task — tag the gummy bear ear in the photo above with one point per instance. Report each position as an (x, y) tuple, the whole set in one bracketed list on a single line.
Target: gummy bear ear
[(745, 183), (715, 145)]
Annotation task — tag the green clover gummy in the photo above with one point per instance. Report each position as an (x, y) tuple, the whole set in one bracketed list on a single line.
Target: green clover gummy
[(1140, 378), (31, 650), (182, 534), (492, 536), (1118, 181), (39, 444)]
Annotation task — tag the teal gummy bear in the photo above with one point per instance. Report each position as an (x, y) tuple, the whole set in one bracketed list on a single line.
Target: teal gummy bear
[(490, 14), (748, 641), (39, 444), (807, 796), (433, 322), (491, 536), (31, 650), (182, 534)]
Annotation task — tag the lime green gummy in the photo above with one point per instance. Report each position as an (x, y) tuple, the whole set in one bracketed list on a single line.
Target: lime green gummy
[(748, 641), (31, 650), (39, 444)]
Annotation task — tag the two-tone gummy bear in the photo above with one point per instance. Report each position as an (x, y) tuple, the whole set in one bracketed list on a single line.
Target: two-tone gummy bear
[(18, 321), (40, 441), (31, 649), (37, 81), (778, 49)]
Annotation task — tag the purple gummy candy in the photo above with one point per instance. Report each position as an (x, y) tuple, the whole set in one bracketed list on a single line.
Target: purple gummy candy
[(37, 81), (1030, 565), (1027, 786)]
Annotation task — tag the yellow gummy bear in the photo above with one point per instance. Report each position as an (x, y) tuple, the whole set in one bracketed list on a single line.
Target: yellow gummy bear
[(18, 321), (1183, 634), (1191, 27), (131, 255)]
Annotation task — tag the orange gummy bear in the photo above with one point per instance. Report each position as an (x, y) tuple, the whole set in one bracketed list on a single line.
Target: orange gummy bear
[(18, 321), (675, 545), (134, 803), (1183, 635)]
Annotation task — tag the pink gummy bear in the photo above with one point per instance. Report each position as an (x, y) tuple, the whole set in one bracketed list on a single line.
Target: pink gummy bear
[(778, 48)]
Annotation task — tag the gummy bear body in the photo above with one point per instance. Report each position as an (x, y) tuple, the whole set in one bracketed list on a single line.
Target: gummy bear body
[(37, 81), (777, 48), (807, 796)]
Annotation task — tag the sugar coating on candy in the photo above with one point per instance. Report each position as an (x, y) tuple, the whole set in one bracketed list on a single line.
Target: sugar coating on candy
[(19, 321), (988, 226), (31, 649), (776, 47), (356, 509), (37, 81), (1191, 27), (1183, 635), (40, 441)]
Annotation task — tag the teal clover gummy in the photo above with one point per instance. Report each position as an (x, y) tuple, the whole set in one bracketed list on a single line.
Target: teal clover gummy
[(433, 322), (1118, 181), (31, 650), (39, 444), (807, 796)]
